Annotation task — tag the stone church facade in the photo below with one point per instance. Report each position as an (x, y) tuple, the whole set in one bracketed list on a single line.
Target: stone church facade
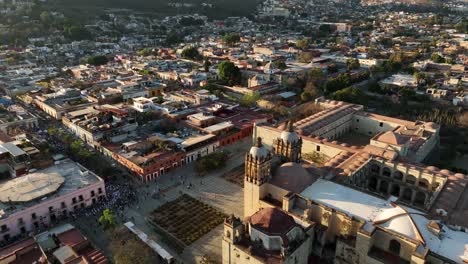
[(361, 206)]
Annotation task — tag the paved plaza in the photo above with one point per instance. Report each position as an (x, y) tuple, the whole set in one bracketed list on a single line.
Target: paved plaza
[(211, 189)]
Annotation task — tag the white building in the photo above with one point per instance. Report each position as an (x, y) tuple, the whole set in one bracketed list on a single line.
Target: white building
[(32, 202)]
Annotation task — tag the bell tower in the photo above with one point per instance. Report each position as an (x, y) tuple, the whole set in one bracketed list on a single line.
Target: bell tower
[(289, 145), (257, 173)]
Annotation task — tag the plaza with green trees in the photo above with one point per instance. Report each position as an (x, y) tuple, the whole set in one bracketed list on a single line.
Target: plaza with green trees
[(186, 219)]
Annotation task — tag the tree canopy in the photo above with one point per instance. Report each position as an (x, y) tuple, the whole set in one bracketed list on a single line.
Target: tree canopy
[(352, 64), (249, 100), (302, 44), (211, 162), (437, 58), (230, 38), (97, 60), (107, 219), (191, 53), (351, 95), (229, 72)]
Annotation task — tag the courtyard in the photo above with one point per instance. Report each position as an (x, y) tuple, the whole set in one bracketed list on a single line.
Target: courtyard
[(212, 190), (355, 139)]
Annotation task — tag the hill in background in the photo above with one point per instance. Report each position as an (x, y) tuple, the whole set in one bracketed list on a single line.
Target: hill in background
[(212, 8)]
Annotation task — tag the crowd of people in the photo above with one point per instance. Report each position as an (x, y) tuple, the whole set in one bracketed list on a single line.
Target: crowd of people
[(118, 197)]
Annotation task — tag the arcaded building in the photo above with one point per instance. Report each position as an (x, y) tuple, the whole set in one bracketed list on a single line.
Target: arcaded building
[(367, 202)]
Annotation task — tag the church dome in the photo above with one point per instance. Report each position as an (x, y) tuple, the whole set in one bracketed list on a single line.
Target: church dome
[(293, 177), (289, 137), (258, 151), (272, 221)]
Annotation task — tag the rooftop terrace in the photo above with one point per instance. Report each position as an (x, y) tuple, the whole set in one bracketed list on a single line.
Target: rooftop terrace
[(64, 177)]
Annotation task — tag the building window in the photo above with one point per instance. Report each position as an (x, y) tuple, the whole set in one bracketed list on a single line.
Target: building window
[(381, 124), (99, 190), (63, 205), (317, 148), (22, 230), (33, 216), (4, 228), (93, 193), (80, 197), (20, 221), (394, 247), (357, 120), (6, 237)]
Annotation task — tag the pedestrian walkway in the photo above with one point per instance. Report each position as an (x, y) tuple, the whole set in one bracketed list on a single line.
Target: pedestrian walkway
[(211, 189)]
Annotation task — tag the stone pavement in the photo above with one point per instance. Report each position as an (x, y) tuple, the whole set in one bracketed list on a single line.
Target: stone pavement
[(211, 189)]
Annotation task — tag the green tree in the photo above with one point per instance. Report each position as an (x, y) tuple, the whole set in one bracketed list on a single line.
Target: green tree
[(351, 95), (407, 94), (190, 53), (46, 19), (305, 57), (315, 74), (302, 44), (107, 219), (462, 27), (206, 65), (211, 162), (145, 52), (306, 96), (352, 64), (437, 58), (97, 60), (229, 73), (332, 68), (76, 33), (419, 76), (230, 39), (326, 29), (173, 38), (337, 83), (280, 65), (249, 100), (52, 131)]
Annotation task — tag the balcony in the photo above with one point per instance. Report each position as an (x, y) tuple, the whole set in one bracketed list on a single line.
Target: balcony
[(385, 257)]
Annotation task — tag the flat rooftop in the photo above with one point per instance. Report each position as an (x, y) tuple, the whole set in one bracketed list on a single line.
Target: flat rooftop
[(403, 220), (30, 187), (201, 116), (42, 185), (354, 203), (218, 127)]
